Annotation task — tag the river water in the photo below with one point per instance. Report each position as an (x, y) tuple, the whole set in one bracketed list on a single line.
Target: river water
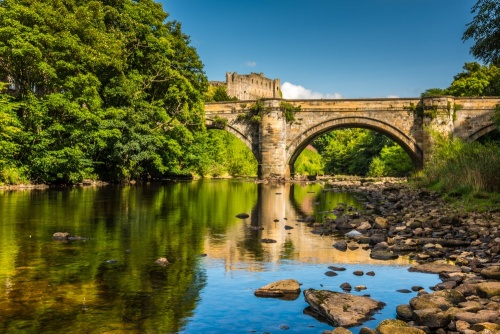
[(108, 282)]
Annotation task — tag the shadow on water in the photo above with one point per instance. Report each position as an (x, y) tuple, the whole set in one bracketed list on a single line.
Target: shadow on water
[(108, 281)]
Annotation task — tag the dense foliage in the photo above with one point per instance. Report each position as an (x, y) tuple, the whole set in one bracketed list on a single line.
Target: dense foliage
[(98, 89), (485, 32), (475, 80), (355, 151)]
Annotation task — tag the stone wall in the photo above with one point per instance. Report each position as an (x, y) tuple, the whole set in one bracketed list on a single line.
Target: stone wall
[(252, 86)]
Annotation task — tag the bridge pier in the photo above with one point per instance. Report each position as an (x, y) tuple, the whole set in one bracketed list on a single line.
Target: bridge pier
[(272, 142)]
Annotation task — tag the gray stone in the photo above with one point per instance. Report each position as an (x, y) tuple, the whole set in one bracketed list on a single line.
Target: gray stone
[(342, 309)]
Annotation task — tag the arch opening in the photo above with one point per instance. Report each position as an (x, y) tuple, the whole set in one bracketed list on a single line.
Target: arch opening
[(392, 141), (229, 153), (486, 133)]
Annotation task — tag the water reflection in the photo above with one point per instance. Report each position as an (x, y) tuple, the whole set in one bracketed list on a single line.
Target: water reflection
[(109, 280), (279, 208)]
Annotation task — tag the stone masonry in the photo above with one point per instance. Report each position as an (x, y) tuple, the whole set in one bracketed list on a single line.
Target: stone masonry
[(276, 144)]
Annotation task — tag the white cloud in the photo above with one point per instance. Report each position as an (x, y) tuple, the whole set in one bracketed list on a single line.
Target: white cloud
[(251, 63), (393, 97), (291, 91)]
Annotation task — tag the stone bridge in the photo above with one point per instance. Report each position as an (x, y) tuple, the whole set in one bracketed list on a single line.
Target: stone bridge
[(277, 143)]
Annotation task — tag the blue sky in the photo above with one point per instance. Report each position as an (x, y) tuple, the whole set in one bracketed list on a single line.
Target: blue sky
[(331, 48)]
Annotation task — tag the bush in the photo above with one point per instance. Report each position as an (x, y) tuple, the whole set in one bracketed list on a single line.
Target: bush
[(460, 168)]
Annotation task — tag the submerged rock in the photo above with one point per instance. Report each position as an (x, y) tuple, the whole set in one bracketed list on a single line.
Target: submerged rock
[(242, 215), (342, 309)]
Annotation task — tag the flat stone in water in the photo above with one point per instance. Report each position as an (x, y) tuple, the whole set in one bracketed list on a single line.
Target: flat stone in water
[(342, 309)]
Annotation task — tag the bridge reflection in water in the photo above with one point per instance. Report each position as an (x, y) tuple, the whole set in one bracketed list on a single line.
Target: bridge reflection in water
[(287, 205)]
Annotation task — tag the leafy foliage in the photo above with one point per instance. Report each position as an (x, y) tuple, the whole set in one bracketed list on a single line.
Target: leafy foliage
[(218, 94), (484, 30), (356, 151), (102, 89), (475, 80), (309, 162), (289, 111)]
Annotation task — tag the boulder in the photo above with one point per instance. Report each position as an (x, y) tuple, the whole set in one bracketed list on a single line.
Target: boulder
[(488, 289), (342, 309), (435, 268), (341, 330), (431, 317), (286, 289), (383, 254), (479, 317), (391, 326), (492, 272), (340, 245), (404, 312), (381, 223)]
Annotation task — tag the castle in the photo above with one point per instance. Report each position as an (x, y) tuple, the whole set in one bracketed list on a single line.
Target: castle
[(250, 86)]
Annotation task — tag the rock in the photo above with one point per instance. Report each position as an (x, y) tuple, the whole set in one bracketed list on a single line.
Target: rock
[(453, 296), (359, 287), (346, 286), (430, 301), (383, 254), (494, 328), (366, 330), (381, 223), (370, 273), (162, 261), (342, 309), (330, 273), (242, 215), (403, 291), (404, 312), (492, 272), (288, 227), (364, 226), (336, 268), (475, 318), (288, 289), (340, 245), (488, 289), (268, 241), (60, 236), (353, 234), (391, 326), (435, 268), (431, 317), (341, 330), (358, 272)]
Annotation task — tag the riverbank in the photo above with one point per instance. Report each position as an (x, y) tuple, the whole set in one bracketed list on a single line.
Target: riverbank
[(400, 220)]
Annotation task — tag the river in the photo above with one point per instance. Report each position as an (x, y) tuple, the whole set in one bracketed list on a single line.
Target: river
[(108, 281)]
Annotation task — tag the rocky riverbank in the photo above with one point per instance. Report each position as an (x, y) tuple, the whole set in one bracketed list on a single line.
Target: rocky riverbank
[(462, 247)]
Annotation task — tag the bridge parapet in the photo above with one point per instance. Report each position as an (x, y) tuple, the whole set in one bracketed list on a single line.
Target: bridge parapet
[(276, 144)]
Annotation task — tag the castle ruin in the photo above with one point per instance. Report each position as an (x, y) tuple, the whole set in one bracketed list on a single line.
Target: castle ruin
[(251, 86)]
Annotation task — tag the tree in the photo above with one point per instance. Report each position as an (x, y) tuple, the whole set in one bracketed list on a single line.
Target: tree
[(476, 80), (484, 29), (106, 89)]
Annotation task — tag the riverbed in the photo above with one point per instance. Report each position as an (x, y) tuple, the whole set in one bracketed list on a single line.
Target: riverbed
[(106, 278)]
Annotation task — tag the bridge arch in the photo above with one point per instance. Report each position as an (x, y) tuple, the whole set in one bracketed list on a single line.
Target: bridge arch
[(299, 143), (211, 124), (481, 132)]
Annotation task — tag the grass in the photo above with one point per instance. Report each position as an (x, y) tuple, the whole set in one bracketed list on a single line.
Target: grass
[(467, 175)]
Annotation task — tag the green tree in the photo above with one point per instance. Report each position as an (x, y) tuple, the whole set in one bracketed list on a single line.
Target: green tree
[(476, 80), (106, 89), (484, 30)]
